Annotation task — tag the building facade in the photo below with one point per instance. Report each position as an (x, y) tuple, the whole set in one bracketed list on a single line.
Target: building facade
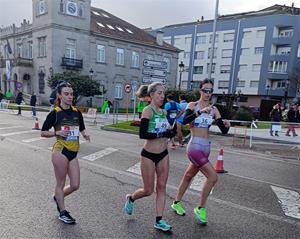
[(70, 35), (254, 53)]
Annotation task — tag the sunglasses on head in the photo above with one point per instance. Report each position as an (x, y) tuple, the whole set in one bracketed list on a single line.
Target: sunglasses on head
[(64, 84), (207, 90)]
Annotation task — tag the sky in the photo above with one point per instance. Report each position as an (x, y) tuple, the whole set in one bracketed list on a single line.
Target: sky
[(148, 13)]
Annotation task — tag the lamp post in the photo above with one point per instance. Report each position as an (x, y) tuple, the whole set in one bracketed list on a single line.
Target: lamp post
[(286, 91), (91, 74), (181, 68), (268, 88)]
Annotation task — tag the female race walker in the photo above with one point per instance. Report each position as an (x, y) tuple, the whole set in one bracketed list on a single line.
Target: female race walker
[(67, 122), (155, 129), (200, 115)]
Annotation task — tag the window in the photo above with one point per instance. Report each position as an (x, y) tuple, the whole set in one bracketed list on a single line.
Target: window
[(100, 53), (110, 27), (198, 70), (168, 61), (19, 50), (254, 84), (187, 55), (279, 84), (211, 38), (177, 41), (135, 59), (201, 39), (223, 84), (298, 54), (283, 50), (260, 33), (129, 31), (213, 67), (120, 29), (150, 57), (30, 50), (241, 83), (100, 24), (209, 53), (226, 53), (42, 7), (258, 50), (199, 55), (167, 40), (71, 49), (41, 46), (225, 69), (278, 67), (245, 51), (118, 91), (120, 56), (286, 33), (256, 67), (188, 41), (247, 34), (243, 68), (228, 37)]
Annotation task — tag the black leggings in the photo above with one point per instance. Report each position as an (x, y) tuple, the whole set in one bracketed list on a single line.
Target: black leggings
[(155, 158)]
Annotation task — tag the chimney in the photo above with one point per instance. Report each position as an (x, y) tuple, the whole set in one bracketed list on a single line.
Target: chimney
[(159, 37)]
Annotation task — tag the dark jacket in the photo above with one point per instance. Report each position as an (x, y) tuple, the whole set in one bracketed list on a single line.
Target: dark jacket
[(19, 98), (275, 115), (292, 115), (33, 100)]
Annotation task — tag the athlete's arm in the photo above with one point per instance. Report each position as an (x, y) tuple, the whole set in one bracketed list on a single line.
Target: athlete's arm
[(82, 128), (48, 124), (219, 121)]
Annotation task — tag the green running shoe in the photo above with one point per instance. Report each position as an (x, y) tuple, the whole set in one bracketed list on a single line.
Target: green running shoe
[(178, 208), (162, 225), (200, 215), (128, 205)]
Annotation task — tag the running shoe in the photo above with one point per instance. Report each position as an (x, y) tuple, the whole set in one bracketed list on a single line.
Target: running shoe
[(178, 208), (128, 205), (66, 217), (200, 215), (162, 225), (57, 207)]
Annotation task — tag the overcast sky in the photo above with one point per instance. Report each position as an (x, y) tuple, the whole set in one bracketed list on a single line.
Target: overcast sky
[(147, 13)]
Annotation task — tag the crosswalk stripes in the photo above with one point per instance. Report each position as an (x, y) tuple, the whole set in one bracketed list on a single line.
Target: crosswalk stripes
[(289, 200), (100, 154), (11, 127), (33, 139)]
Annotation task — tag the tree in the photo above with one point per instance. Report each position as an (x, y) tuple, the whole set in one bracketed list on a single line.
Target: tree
[(82, 85), (294, 77)]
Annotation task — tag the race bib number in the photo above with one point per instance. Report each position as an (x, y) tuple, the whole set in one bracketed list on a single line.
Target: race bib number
[(203, 121), (161, 125), (73, 133)]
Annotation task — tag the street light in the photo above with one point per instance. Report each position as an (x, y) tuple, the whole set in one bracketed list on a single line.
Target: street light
[(91, 73), (268, 88), (181, 68)]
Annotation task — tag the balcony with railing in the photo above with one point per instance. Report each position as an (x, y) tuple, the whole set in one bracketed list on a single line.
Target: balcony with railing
[(71, 63)]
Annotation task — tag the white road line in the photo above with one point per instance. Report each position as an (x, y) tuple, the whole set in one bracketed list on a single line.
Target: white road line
[(19, 132), (12, 127), (33, 139), (100, 154), (289, 200), (136, 169)]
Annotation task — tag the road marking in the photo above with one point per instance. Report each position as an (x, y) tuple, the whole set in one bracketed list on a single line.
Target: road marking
[(19, 132), (100, 154), (33, 139), (289, 200), (12, 127), (136, 169)]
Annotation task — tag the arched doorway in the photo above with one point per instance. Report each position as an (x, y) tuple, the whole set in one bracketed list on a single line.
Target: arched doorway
[(27, 83)]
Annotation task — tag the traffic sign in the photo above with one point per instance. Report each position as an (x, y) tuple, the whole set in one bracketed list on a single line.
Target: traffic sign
[(127, 88), (154, 72), (155, 64), (149, 80)]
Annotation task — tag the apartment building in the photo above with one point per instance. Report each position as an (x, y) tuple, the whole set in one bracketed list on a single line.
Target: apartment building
[(254, 53), (71, 35)]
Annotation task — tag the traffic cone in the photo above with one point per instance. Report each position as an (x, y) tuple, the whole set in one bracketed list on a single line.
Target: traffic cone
[(36, 124), (219, 167)]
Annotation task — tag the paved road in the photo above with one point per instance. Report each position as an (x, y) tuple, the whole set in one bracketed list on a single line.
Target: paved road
[(244, 204)]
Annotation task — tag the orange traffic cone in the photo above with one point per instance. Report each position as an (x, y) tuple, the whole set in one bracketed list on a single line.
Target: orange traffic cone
[(36, 124), (219, 167)]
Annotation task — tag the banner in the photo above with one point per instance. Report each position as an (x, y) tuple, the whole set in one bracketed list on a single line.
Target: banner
[(8, 47), (8, 69)]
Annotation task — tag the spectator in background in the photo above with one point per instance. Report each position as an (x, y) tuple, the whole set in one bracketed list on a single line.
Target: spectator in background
[(33, 104), (275, 116), (292, 119), (19, 100), (140, 107), (1, 96), (8, 94)]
